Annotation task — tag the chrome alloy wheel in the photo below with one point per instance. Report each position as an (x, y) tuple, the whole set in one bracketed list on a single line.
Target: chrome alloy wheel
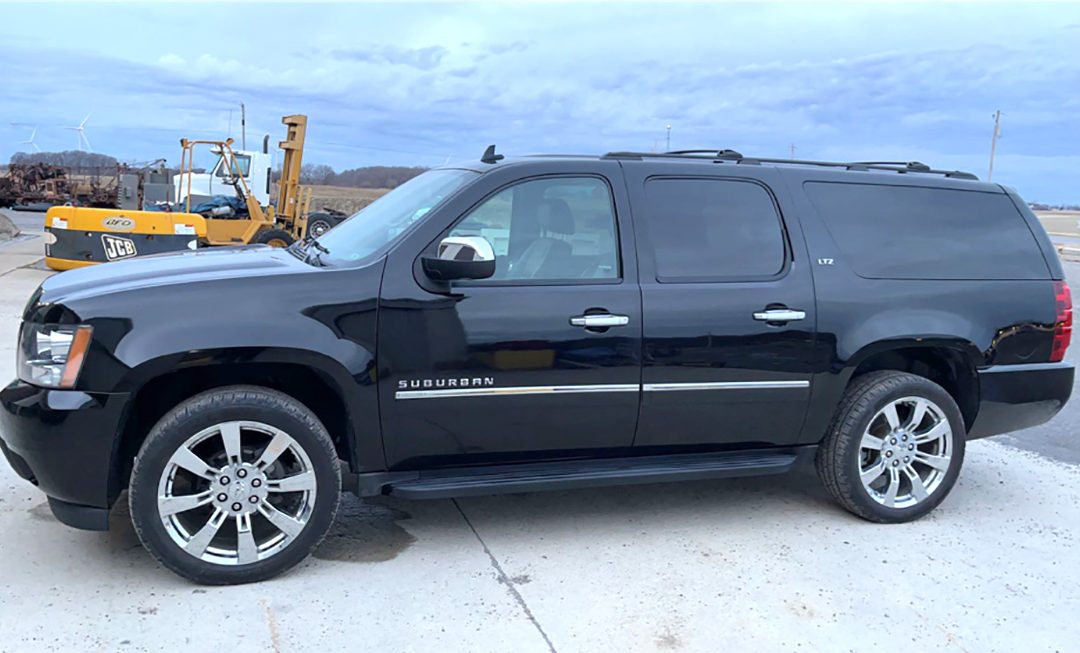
[(905, 452), (249, 473), (318, 228)]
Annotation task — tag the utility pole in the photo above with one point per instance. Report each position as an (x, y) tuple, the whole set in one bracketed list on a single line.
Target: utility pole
[(668, 139), (792, 151), (243, 128), (993, 143)]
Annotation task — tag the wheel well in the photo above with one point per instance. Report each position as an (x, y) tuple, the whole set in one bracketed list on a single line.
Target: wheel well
[(949, 368), (163, 393)]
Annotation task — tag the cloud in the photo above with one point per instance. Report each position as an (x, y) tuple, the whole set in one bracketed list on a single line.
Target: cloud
[(896, 82), (420, 58)]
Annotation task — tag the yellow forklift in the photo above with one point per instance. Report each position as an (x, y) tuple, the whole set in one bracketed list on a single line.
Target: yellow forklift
[(76, 236)]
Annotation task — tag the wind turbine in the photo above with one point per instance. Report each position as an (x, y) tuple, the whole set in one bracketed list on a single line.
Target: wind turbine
[(81, 134), (30, 141), (33, 133)]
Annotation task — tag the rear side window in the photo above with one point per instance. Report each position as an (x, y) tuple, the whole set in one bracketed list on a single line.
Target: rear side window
[(713, 230), (909, 232)]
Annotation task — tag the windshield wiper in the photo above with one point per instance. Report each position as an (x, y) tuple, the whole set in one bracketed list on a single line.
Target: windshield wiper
[(319, 251), (297, 249)]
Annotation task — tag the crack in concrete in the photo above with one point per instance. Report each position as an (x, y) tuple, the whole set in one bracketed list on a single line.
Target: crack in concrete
[(505, 579), (28, 266), (271, 623)]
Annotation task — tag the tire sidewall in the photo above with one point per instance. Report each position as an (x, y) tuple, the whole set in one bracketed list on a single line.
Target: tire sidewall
[(911, 387), (268, 235), (194, 416)]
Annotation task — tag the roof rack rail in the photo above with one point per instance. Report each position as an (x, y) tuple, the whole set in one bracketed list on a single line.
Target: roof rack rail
[(731, 155), (717, 154), (910, 165)]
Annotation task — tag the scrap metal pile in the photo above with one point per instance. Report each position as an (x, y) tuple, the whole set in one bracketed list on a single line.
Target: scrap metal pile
[(41, 185)]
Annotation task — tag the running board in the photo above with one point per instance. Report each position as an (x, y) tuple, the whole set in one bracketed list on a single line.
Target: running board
[(564, 475)]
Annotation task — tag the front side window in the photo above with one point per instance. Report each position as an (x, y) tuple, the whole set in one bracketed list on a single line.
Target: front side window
[(713, 230), (556, 229), (240, 165), (377, 225)]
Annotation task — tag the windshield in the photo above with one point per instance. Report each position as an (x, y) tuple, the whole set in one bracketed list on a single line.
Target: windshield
[(377, 225)]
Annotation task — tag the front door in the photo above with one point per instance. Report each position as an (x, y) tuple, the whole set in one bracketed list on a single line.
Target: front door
[(542, 360), (728, 307)]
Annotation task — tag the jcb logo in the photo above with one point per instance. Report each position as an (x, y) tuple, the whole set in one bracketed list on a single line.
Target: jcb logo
[(117, 248)]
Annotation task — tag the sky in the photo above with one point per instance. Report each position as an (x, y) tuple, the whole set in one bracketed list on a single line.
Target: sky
[(426, 84)]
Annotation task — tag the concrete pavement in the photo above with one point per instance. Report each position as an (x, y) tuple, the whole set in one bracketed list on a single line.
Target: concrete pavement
[(26, 221), (22, 251), (27, 247)]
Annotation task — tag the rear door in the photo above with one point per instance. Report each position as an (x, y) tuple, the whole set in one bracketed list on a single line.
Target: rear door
[(728, 306)]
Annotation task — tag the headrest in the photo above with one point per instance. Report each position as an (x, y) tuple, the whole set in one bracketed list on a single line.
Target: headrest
[(554, 216)]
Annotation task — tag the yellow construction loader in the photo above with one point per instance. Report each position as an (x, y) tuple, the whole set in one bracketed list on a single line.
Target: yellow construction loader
[(77, 236)]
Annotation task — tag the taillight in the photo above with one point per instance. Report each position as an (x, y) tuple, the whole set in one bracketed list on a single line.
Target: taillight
[(1062, 321)]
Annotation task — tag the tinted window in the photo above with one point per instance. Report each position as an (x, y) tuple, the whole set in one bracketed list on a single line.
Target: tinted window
[(713, 229), (561, 228), (907, 232)]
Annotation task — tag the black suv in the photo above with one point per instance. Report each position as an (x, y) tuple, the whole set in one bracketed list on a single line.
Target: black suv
[(540, 323)]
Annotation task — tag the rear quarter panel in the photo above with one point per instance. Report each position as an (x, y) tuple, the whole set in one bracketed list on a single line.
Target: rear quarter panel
[(989, 322)]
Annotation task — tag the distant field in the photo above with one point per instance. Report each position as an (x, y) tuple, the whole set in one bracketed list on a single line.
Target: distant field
[(1060, 222), (349, 200)]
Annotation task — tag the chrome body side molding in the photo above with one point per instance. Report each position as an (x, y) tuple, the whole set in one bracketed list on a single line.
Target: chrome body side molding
[(613, 387), (725, 385), (516, 390)]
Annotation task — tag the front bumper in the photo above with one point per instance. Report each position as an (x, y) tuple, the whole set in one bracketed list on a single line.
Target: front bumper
[(63, 441), (1014, 397)]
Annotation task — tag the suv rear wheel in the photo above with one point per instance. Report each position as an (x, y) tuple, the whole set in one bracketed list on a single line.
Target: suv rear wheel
[(235, 485), (894, 449)]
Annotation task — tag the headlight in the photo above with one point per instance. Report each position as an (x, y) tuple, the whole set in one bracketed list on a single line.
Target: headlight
[(51, 355)]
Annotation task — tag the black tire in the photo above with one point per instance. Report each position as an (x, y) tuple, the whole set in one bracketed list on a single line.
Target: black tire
[(839, 456), (203, 411), (320, 223), (273, 238)]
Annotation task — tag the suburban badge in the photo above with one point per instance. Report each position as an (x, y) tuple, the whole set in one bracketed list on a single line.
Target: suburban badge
[(464, 382)]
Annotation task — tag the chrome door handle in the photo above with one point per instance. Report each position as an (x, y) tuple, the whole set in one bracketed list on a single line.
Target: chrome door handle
[(779, 315), (599, 321)]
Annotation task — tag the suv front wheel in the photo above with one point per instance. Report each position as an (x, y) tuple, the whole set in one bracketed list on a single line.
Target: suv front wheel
[(894, 449), (235, 485)]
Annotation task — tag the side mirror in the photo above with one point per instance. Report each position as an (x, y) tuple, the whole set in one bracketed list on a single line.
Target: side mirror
[(461, 257)]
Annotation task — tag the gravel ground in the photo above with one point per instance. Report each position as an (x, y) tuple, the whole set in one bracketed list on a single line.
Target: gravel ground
[(764, 564)]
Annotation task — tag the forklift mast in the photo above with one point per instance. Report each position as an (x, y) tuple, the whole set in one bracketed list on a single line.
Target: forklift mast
[(290, 209)]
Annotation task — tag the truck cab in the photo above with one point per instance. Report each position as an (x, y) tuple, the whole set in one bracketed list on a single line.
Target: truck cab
[(255, 167)]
